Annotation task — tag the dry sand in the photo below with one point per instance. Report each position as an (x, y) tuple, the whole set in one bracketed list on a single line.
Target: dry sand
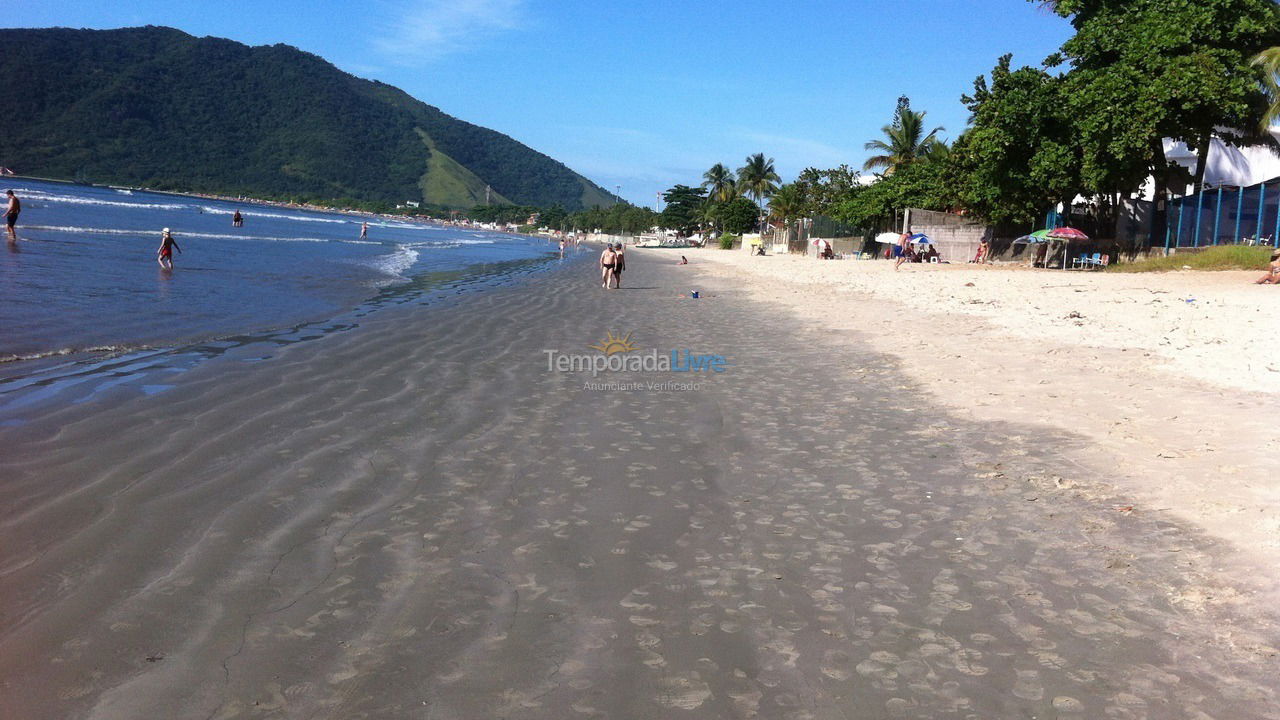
[(414, 519), (1172, 378)]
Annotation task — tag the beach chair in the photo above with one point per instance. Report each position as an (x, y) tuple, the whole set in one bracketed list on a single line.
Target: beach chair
[(1104, 261), (1080, 262), (1092, 262)]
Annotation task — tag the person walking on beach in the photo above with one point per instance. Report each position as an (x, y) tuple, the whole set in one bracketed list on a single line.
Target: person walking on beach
[(364, 231), (900, 250), (164, 255), (607, 259), (11, 215), (619, 264), (237, 220)]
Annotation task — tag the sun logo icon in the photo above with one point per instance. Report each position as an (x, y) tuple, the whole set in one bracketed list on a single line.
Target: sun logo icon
[(615, 344)]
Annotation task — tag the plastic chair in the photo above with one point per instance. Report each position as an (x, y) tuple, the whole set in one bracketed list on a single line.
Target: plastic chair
[(1106, 260), (1096, 260), (1080, 262)]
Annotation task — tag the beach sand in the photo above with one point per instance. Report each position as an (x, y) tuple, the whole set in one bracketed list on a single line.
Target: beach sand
[(416, 519)]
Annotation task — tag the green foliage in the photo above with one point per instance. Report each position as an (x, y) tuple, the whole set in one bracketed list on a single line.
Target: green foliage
[(758, 177), (719, 183), (619, 218), (905, 140), (917, 185), (1019, 155), (1223, 257), (820, 190), (737, 216), (501, 214), (158, 108), (683, 212), (728, 240), (1148, 69), (788, 203), (554, 218)]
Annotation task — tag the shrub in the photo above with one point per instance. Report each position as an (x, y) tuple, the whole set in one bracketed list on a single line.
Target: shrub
[(728, 240), (1222, 257)]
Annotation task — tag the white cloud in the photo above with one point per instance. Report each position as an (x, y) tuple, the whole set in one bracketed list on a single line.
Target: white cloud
[(423, 30)]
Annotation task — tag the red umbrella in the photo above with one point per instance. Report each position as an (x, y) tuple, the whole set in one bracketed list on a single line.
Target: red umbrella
[(1067, 233)]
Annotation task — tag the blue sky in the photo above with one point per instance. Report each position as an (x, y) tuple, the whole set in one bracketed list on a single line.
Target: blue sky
[(638, 94)]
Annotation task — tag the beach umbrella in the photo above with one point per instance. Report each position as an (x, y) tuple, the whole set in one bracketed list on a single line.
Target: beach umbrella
[(1067, 233), (919, 239), (888, 238)]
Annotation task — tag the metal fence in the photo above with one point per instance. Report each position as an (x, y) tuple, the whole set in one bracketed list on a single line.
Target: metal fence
[(1226, 216)]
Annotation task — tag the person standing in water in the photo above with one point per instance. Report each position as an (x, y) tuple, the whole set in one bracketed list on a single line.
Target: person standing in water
[(164, 255), (364, 231), (237, 220), (11, 215)]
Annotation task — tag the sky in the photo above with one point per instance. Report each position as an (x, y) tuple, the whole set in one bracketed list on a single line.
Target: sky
[(638, 95)]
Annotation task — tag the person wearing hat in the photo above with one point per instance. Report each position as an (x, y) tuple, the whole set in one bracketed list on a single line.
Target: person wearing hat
[(164, 255), (1273, 273)]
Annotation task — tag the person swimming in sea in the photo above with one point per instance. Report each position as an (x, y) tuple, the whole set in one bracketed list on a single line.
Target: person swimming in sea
[(164, 255)]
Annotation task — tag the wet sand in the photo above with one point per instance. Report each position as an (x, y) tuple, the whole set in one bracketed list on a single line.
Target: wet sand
[(415, 519)]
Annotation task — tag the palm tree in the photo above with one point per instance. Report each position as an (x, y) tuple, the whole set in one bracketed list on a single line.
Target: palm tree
[(787, 204), (905, 140), (1269, 62), (719, 183), (758, 178)]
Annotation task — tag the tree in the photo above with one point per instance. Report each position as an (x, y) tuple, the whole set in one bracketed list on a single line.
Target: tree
[(822, 189), (757, 177), (905, 140), (683, 212), (918, 185), (1268, 62), (719, 182), (1019, 155), (787, 205), (554, 218), (737, 216), (1145, 70)]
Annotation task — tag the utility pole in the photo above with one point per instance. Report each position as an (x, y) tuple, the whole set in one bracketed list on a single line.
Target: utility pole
[(617, 195), (487, 191)]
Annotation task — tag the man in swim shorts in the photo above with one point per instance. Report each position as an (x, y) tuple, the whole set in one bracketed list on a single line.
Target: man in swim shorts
[(11, 214)]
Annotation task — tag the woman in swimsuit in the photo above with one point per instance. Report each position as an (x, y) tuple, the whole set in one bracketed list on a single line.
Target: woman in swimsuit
[(619, 264), (164, 255), (607, 259)]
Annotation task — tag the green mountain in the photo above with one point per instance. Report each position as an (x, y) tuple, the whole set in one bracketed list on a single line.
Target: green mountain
[(156, 107)]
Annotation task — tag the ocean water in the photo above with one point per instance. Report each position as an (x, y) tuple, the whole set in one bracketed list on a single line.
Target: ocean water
[(81, 294)]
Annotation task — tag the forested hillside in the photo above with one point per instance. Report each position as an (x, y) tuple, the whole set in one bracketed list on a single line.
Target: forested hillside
[(158, 108)]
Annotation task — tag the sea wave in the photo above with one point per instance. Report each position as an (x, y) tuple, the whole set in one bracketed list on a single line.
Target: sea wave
[(396, 263), (42, 196), (184, 234), (264, 214), (69, 351)]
